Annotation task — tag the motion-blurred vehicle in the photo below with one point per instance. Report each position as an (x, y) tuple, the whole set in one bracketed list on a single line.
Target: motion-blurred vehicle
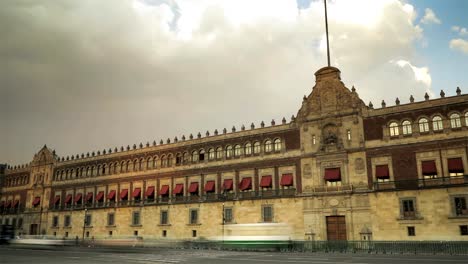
[(7, 233)]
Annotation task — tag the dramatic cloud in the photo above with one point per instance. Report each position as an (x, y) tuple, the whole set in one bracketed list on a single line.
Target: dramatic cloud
[(460, 45), (430, 17), (88, 75)]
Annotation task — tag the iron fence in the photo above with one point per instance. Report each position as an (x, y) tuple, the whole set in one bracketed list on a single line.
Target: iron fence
[(369, 247)]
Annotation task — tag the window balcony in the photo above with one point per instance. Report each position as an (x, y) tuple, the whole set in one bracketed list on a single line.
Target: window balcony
[(437, 182)]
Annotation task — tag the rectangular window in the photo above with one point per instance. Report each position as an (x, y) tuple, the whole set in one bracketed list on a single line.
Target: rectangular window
[(110, 233), (66, 234), (408, 208), (88, 219), (164, 217), (164, 233), (55, 221), (228, 215), (464, 230), (460, 208), (411, 231), (13, 222), (110, 219), (194, 233), (267, 213), (67, 221), (136, 218), (193, 216), (135, 233)]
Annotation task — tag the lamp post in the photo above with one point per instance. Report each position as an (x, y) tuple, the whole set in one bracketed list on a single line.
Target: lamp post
[(84, 221)]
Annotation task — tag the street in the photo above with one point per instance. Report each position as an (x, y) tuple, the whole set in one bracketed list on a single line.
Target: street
[(70, 255)]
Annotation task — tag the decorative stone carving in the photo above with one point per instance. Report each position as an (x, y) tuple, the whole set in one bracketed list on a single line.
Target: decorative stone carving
[(359, 165), (307, 171)]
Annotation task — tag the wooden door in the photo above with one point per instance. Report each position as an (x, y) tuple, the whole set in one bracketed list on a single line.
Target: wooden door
[(33, 229), (336, 228)]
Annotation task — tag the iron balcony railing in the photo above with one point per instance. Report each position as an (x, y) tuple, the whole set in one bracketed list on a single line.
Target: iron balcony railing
[(209, 197), (421, 183)]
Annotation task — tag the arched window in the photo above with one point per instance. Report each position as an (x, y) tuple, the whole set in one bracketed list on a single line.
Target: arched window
[(194, 156), (155, 162), (256, 147), (185, 157), (268, 146), (77, 172), (149, 163), (127, 166), (201, 155), (248, 149), (71, 173), (455, 121), (104, 169), (211, 154), (219, 153), (135, 165), (277, 144), (169, 160), (407, 129), (141, 164), (163, 161), (229, 151), (423, 125), (178, 159), (394, 129), (237, 150), (437, 123)]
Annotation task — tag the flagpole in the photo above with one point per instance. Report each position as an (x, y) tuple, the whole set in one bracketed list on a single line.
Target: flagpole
[(326, 29)]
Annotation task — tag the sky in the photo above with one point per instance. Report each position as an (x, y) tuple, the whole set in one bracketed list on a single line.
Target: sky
[(83, 76)]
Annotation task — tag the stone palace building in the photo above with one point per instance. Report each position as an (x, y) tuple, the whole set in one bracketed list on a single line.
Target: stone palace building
[(339, 170)]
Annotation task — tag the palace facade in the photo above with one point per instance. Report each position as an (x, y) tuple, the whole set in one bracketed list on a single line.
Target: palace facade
[(339, 170)]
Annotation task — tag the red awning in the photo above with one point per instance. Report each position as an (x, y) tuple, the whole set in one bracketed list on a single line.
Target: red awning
[(193, 188), (332, 174), (265, 182), (149, 191), (455, 165), (382, 172), (100, 196), (179, 188), (56, 199), (77, 197), (136, 192), (89, 196), (8, 203), (227, 185), (429, 167), (68, 198), (15, 203), (164, 190), (123, 193), (36, 201), (245, 184), (110, 195), (286, 180), (210, 186)]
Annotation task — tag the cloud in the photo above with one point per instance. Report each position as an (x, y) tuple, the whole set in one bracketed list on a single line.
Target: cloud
[(430, 17), (460, 30), (79, 79), (421, 74), (460, 45)]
